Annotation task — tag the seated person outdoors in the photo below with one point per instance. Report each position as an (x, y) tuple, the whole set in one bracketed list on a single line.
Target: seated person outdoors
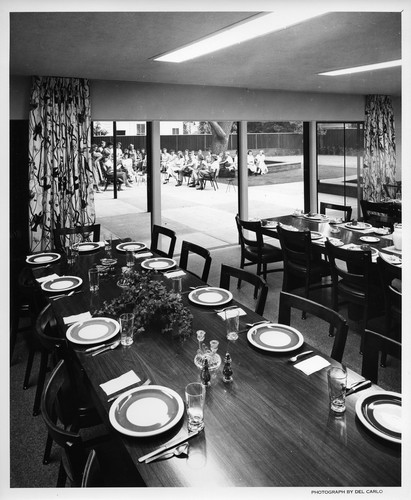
[(207, 170), (251, 164), (227, 168), (108, 170), (190, 168), (170, 166), (126, 164)]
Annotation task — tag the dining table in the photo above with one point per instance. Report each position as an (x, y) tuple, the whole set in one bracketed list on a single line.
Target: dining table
[(270, 427)]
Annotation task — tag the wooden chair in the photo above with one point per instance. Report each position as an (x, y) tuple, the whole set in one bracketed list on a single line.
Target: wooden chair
[(93, 476), (62, 234), (212, 179), (353, 279), (345, 209), (302, 266), (392, 301), (158, 231), (381, 214), (255, 250), (391, 190), (373, 344), (260, 285), (337, 324), (187, 248)]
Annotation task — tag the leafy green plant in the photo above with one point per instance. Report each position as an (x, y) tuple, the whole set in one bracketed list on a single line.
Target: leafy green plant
[(151, 303)]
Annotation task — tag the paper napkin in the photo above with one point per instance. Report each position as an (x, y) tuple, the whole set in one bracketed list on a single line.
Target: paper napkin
[(231, 313), (120, 383), (77, 317), (311, 365), (46, 278), (174, 274), (144, 254)]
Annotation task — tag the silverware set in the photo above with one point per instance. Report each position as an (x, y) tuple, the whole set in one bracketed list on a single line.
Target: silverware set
[(107, 348)]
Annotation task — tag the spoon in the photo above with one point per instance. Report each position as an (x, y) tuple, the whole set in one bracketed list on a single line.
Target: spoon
[(182, 449), (112, 346), (294, 358)]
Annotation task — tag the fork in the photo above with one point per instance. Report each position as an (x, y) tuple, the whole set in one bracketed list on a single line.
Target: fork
[(182, 449), (112, 346), (294, 358)]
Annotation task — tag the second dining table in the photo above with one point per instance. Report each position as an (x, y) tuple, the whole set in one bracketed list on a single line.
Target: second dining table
[(271, 426)]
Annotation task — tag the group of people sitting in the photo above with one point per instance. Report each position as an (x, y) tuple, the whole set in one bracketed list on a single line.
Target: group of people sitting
[(256, 164), (197, 167), (130, 163)]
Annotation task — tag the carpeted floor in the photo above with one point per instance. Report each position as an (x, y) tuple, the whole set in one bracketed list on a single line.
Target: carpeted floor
[(28, 433)]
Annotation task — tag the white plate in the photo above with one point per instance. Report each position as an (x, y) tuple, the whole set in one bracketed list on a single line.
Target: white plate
[(159, 263), (381, 413), (88, 246), (382, 231), (146, 411), (391, 259), (131, 246), (316, 217), (370, 239), (315, 235), (93, 330), (360, 225), (336, 242), (42, 258), (210, 296), (61, 284), (275, 337)]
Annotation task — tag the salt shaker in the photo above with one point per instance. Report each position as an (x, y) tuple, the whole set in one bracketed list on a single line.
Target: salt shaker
[(205, 373), (227, 370)]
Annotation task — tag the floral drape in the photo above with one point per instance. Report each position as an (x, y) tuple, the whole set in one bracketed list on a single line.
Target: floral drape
[(60, 176), (379, 148)]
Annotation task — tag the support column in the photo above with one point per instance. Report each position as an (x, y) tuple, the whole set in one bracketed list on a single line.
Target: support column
[(313, 167), (242, 170), (153, 166)]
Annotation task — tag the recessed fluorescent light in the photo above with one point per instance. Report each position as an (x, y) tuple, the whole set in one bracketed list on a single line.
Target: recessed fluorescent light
[(360, 69), (253, 28)]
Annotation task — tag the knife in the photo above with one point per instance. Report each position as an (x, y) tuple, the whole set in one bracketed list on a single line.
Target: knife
[(359, 386), (126, 389), (95, 348), (171, 444)]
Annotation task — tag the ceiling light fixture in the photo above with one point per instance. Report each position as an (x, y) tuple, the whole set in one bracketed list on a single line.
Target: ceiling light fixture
[(252, 28), (360, 69)]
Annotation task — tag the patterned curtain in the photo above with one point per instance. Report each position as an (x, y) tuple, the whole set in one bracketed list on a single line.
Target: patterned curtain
[(61, 180), (379, 154)]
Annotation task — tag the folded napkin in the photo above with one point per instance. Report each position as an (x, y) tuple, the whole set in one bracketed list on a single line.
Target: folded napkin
[(77, 317), (230, 313), (144, 254), (174, 274), (311, 365), (46, 278), (120, 383)]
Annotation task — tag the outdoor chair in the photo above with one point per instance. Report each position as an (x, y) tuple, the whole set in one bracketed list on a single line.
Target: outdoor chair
[(255, 250), (345, 209), (375, 343), (212, 179), (337, 324), (353, 280), (62, 235), (159, 232), (191, 248), (259, 284), (303, 266)]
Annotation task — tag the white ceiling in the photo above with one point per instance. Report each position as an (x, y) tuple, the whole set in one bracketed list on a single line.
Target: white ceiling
[(120, 46)]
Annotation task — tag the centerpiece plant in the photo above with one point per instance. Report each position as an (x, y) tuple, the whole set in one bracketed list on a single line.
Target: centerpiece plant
[(152, 304)]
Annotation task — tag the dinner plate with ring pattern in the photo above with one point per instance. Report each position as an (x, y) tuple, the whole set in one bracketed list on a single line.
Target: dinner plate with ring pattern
[(316, 235), (210, 296), (370, 239), (315, 217), (42, 258), (131, 246), (381, 413), (88, 246), (274, 337), (93, 331), (146, 411), (61, 284), (360, 225), (158, 263)]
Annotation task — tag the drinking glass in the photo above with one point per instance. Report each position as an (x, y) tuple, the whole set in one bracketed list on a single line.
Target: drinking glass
[(93, 278), (130, 258), (177, 284), (337, 386), (232, 322), (195, 397), (108, 241), (127, 327)]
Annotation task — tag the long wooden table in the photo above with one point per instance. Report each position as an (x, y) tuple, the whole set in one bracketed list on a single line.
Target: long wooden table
[(270, 427)]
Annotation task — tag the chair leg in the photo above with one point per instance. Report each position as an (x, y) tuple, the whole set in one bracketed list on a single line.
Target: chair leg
[(47, 450), (62, 476), (40, 382), (28, 368)]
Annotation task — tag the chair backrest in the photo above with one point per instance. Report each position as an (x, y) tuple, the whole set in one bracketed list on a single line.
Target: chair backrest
[(353, 267), (260, 285), (92, 476), (346, 209), (55, 400), (380, 214), (296, 247), (373, 344), (250, 233), (62, 235), (391, 190), (47, 332), (155, 240), (389, 273), (187, 248), (337, 323)]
